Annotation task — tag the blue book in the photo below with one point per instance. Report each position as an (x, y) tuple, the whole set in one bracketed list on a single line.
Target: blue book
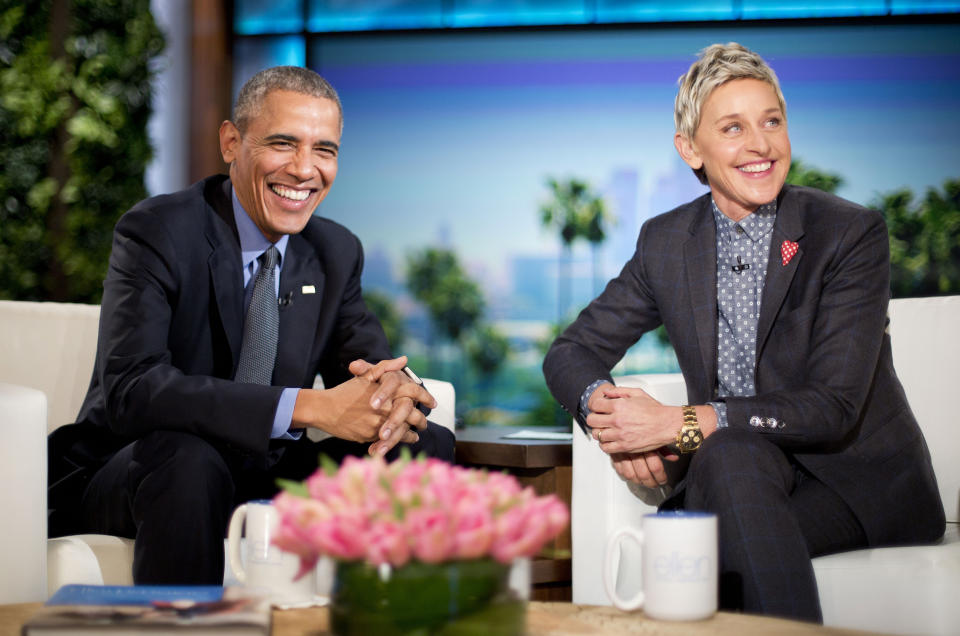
[(160, 610), (134, 594)]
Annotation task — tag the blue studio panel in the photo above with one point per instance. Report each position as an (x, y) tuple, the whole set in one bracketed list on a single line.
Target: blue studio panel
[(255, 54), (772, 9), (254, 17), (481, 13), (353, 15), (923, 6), (659, 11)]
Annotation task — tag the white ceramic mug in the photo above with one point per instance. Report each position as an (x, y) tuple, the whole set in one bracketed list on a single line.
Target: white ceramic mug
[(678, 564), (266, 568)]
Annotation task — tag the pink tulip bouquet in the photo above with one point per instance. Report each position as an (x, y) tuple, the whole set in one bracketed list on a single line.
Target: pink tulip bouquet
[(413, 509)]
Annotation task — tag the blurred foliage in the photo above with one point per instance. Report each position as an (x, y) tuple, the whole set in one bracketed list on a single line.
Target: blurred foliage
[(454, 302), (924, 240), (803, 175), (924, 235), (75, 81), (381, 305), (487, 349)]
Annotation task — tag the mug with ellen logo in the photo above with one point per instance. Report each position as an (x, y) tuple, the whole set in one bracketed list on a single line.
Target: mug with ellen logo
[(677, 559), (261, 566)]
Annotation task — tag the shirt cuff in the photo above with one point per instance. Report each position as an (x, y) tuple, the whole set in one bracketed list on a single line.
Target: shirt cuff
[(284, 416), (583, 410), (721, 410)]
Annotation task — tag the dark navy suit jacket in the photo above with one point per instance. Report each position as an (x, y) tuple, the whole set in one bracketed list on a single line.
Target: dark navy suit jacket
[(823, 370), (171, 327)]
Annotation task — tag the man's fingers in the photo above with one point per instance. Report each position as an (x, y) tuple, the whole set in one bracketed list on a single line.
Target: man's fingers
[(385, 366), (396, 428), (416, 393), (386, 389), (359, 367)]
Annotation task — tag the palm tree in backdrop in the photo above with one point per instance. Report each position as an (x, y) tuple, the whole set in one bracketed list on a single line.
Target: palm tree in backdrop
[(574, 211)]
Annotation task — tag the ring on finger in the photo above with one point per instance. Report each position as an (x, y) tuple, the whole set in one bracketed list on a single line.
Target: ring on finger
[(600, 435)]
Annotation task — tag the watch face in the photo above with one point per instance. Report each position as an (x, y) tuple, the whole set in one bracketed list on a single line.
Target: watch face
[(690, 439)]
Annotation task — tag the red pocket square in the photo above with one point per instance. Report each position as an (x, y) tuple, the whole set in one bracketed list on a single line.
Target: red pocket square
[(788, 250)]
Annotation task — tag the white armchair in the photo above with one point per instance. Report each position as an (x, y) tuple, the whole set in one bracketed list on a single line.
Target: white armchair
[(908, 590), (46, 360)]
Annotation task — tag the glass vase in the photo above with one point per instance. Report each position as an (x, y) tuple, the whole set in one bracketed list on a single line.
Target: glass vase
[(459, 597)]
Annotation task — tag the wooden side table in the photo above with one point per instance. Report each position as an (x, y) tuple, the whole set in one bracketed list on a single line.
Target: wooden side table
[(547, 466)]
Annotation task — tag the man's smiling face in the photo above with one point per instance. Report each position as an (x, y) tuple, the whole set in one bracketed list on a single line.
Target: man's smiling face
[(283, 164)]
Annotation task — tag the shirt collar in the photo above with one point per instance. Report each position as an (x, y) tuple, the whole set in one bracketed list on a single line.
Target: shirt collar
[(252, 241), (755, 225)]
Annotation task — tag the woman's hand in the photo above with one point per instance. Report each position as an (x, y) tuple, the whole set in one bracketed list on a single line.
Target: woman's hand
[(626, 420)]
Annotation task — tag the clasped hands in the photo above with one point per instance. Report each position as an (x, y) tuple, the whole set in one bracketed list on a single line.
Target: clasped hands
[(636, 431), (378, 405)]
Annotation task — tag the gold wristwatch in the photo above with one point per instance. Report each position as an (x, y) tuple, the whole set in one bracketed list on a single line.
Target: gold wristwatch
[(689, 436)]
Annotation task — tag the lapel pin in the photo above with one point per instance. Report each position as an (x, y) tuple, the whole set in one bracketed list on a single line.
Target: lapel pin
[(308, 289), (788, 250)]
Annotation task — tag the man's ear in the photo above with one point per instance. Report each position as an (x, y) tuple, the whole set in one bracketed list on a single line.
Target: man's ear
[(229, 141), (687, 151)]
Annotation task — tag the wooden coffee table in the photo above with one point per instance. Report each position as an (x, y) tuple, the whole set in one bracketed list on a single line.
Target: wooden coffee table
[(543, 619)]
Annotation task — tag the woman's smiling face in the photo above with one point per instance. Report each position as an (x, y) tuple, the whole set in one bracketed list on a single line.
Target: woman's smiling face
[(742, 144)]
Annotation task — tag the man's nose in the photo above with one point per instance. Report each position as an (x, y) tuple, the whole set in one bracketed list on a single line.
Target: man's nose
[(302, 165)]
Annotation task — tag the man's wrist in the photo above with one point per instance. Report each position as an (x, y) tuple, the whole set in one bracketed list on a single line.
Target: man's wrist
[(310, 406)]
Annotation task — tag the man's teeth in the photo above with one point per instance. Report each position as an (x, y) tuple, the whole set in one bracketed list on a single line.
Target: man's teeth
[(289, 193), (756, 167)]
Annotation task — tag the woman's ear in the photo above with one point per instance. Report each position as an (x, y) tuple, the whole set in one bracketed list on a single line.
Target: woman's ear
[(688, 152)]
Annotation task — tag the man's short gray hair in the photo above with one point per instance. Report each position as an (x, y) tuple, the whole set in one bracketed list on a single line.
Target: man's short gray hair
[(715, 66), (280, 78)]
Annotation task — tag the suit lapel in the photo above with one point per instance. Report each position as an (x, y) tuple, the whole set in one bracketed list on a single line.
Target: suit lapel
[(224, 266), (700, 259), (301, 293), (788, 227)]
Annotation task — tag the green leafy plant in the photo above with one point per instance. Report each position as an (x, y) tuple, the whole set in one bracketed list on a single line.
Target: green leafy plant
[(75, 78), (924, 240)]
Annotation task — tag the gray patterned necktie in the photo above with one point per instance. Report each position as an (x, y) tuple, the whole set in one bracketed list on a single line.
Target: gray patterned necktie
[(258, 353)]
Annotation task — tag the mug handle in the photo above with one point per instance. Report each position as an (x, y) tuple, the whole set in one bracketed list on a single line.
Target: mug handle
[(609, 563), (234, 533)]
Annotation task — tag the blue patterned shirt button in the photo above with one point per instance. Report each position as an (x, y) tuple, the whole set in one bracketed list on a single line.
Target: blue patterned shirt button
[(756, 420)]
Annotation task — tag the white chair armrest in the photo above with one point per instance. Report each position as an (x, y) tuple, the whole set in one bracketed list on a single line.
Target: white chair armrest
[(23, 497), (446, 395), (602, 502)]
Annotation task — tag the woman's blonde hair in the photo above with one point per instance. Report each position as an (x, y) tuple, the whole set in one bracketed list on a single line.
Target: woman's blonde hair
[(715, 66)]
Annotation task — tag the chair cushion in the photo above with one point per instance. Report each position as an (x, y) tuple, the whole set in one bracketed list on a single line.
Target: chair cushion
[(859, 588)]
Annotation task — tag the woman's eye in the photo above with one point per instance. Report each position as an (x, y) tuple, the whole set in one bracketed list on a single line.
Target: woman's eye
[(732, 128), (773, 122)]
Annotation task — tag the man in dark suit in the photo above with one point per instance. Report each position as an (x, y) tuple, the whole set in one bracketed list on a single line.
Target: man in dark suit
[(798, 433), (179, 425)]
